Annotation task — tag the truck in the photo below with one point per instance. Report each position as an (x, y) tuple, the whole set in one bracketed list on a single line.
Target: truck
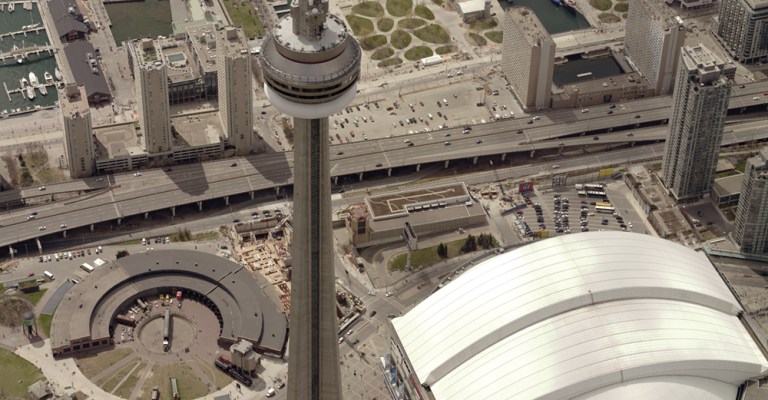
[(167, 331), (228, 368)]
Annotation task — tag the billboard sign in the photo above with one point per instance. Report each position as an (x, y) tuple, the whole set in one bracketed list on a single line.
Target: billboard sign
[(525, 187)]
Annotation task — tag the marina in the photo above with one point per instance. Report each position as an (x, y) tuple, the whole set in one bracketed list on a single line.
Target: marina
[(27, 62), (557, 16)]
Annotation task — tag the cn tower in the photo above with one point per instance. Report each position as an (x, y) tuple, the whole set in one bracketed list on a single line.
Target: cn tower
[(311, 65)]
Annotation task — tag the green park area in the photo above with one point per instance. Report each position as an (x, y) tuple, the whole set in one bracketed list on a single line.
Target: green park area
[(17, 374), (430, 255), (243, 14)]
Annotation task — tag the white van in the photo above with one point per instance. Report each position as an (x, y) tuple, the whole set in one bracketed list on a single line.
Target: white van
[(49, 275), (270, 392)]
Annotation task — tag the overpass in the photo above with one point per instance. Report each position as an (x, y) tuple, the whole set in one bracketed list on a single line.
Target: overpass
[(116, 197)]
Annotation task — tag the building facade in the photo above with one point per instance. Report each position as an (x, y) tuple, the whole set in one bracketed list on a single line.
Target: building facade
[(654, 37), (742, 28), (700, 103), (235, 89), (78, 139), (528, 58), (151, 86), (751, 224)]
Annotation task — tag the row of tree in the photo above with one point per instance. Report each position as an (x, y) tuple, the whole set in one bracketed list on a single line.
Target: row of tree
[(472, 243)]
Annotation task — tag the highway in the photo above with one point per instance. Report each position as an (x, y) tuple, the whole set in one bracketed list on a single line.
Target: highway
[(119, 196)]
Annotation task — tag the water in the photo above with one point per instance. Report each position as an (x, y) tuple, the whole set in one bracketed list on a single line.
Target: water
[(555, 19), (149, 18), (11, 72), (600, 67)]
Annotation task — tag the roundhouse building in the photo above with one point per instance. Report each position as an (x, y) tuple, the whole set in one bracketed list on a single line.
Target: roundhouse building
[(85, 318), (599, 315)]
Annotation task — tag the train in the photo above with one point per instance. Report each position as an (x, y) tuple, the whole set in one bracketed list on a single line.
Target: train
[(226, 366), (167, 331)]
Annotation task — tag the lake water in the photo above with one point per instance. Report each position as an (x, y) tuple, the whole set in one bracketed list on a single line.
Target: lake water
[(148, 18), (555, 19), (11, 72)]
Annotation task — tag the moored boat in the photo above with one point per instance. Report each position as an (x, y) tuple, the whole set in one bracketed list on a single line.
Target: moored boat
[(57, 74), (43, 90), (11, 7), (48, 78), (570, 5), (30, 92), (33, 80)]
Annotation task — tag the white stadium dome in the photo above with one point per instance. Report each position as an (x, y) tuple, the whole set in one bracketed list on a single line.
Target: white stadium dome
[(600, 315)]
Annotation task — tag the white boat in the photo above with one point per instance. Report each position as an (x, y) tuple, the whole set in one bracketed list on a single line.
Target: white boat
[(33, 80), (24, 83), (48, 77), (43, 90), (30, 92), (57, 74), (11, 7)]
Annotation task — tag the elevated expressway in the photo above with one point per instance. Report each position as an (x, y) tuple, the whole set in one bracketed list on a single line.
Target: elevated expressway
[(118, 196)]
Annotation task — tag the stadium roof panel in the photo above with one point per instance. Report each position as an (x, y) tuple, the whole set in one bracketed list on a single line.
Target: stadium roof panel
[(614, 301)]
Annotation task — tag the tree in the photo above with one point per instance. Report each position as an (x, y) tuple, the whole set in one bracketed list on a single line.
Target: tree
[(442, 250), (470, 244)]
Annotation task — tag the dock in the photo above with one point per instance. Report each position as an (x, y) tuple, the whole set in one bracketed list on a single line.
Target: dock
[(26, 51), (22, 32)]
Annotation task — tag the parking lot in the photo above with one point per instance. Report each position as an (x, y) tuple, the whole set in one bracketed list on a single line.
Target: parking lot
[(568, 210)]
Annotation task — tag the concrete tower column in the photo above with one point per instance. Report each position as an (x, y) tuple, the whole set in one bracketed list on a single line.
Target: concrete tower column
[(311, 65)]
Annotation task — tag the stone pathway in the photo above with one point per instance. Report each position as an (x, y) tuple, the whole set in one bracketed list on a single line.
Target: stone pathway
[(143, 378)]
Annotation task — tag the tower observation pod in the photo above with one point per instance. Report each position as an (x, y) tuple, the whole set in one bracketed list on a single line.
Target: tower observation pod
[(311, 65)]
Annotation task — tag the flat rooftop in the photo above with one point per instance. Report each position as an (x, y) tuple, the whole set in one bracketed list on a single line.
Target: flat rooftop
[(197, 129), (115, 141), (529, 24), (728, 185), (397, 204), (203, 41)]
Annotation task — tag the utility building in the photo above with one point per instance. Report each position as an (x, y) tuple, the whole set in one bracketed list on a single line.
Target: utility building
[(235, 89), (751, 225), (78, 137), (700, 103), (653, 41), (528, 58)]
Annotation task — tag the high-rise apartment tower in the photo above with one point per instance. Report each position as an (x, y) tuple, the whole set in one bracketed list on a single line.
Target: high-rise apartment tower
[(742, 28), (311, 64), (700, 103), (78, 136), (235, 89), (528, 58), (654, 37), (751, 225), (151, 80)]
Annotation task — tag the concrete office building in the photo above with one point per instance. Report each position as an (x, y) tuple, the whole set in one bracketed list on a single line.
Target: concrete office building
[(595, 315), (528, 58), (700, 103), (151, 87), (653, 41), (311, 65), (742, 28), (78, 138), (751, 225), (235, 89)]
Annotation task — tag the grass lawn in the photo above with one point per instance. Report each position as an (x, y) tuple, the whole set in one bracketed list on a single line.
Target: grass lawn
[(17, 373), (424, 12), (203, 236), (35, 297), (360, 26), (190, 386), (609, 18), (385, 24), (92, 364), (479, 40), (218, 378), (126, 388), (418, 52), (446, 49), (723, 174), (372, 42), (495, 36), (424, 257), (484, 24), (390, 62), (245, 17), (602, 5), (44, 324), (410, 23), (400, 39), (382, 54), (433, 33), (621, 7), (741, 165), (108, 383), (399, 8), (369, 9), (438, 2)]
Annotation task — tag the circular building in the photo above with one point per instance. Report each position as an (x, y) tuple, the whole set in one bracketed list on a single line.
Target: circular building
[(601, 315), (86, 317)]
